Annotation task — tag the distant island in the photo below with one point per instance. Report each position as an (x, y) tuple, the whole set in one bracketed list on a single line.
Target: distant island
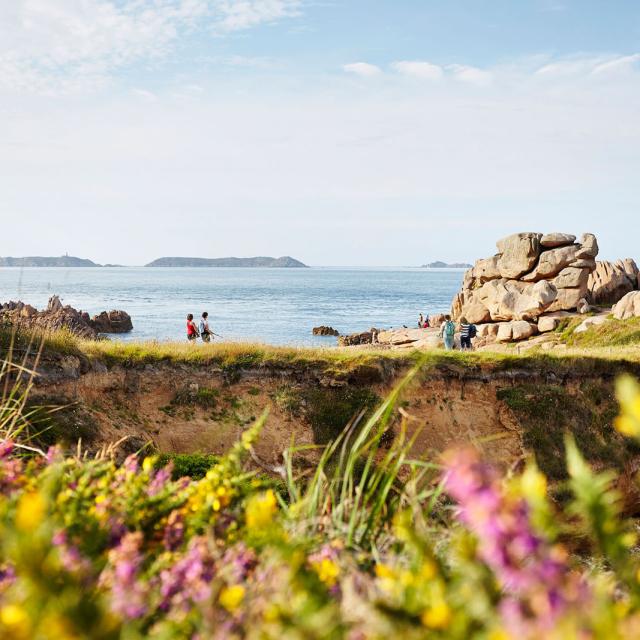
[(39, 261), (443, 265), (285, 262)]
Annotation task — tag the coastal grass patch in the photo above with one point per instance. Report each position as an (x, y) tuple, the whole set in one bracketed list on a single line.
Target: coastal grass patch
[(330, 410), (547, 412), (612, 333), (192, 465)]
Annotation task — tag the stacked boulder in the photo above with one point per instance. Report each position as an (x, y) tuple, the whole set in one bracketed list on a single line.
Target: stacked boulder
[(528, 286), (611, 281)]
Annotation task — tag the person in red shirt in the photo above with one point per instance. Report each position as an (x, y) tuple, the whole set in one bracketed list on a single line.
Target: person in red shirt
[(192, 330)]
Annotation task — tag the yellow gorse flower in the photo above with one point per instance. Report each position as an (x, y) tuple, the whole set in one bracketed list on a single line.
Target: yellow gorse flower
[(231, 597), (438, 616), (30, 512), (628, 394), (260, 510), (327, 570)]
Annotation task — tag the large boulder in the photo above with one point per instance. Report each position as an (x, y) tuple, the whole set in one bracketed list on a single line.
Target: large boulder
[(611, 281), (551, 263), (518, 254), (553, 240), (514, 300), (628, 306), (116, 321), (475, 312), (588, 247), (572, 278), (515, 331)]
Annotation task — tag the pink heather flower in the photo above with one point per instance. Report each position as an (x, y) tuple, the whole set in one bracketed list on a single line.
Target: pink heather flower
[(188, 580), (54, 454), (174, 531), (11, 474), (241, 560), (128, 593), (6, 447), (70, 557), (539, 585), (160, 480), (131, 463)]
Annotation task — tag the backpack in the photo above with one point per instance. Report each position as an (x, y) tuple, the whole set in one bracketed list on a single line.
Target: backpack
[(449, 329), (472, 331)]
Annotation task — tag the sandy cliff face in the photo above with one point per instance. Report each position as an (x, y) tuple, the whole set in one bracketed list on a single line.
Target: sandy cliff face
[(187, 408)]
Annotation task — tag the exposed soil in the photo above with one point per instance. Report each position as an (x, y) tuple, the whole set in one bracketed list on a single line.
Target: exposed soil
[(184, 408)]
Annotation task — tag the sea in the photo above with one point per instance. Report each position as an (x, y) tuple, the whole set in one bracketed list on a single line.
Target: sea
[(273, 306)]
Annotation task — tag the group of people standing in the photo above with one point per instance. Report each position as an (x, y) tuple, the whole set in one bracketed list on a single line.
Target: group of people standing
[(448, 332), (202, 331)]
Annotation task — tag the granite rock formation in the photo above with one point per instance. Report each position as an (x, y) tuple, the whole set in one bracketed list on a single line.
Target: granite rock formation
[(611, 281), (532, 275), (58, 316), (325, 331)]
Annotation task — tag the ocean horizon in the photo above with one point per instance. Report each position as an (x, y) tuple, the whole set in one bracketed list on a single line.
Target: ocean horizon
[(271, 305)]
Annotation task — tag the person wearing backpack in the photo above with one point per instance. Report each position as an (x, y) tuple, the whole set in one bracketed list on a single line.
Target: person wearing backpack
[(448, 332), (467, 331)]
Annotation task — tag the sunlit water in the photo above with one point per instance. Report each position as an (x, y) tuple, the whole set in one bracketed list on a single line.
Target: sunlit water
[(277, 306)]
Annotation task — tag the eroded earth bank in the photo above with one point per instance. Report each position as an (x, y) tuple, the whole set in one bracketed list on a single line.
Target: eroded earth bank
[(508, 407)]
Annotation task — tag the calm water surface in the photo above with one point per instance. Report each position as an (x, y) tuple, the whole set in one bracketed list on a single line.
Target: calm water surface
[(277, 306)]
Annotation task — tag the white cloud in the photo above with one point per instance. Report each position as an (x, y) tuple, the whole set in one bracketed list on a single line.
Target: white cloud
[(618, 65), (58, 44), (418, 69), (470, 75), (363, 69), (243, 14)]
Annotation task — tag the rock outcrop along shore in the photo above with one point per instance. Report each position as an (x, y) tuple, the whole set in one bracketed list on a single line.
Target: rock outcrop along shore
[(59, 316), (528, 285)]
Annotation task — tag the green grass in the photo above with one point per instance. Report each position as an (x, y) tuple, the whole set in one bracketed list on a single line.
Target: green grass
[(613, 333), (193, 465), (547, 412)]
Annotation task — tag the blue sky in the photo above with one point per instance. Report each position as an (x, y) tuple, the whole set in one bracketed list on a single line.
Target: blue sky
[(340, 132)]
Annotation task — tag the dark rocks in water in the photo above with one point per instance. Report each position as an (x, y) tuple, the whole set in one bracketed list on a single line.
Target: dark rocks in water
[(58, 316), (366, 337), (325, 331), (115, 321)]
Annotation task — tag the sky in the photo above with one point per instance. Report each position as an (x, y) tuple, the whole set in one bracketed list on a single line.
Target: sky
[(340, 132)]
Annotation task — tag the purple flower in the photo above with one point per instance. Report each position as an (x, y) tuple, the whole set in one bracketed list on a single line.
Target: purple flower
[(189, 579), (70, 557), (538, 583), (128, 593), (174, 531), (6, 447), (240, 561), (160, 480)]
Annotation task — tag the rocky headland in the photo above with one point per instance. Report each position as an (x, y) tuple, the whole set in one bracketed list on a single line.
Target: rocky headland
[(284, 262), (529, 287), (58, 316)]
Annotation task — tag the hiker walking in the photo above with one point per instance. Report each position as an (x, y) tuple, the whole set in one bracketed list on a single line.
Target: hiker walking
[(192, 330), (448, 332), (467, 332), (205, 332)]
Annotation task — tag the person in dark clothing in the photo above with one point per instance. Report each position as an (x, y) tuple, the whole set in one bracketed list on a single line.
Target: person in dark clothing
[(467, 332), (205, 332)]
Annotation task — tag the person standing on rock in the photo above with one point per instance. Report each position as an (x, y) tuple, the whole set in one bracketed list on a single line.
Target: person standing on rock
[(421, 322), (467, 331), (205, 332), (192, 330), (448, 332)]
